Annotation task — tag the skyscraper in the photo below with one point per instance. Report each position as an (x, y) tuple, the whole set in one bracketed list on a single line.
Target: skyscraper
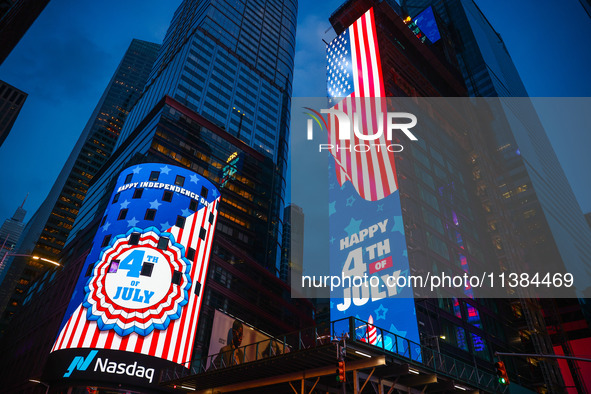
[(11, 102), (292, 258), (10, 233), (46, 233), (243, 156), (546, 221), (16, 16), (233, 64)]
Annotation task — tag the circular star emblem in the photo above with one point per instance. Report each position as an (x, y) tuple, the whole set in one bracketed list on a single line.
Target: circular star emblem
[(140, 283)]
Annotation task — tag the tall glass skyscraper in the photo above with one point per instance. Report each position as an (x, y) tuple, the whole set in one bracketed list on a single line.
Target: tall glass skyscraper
[(232, 63), (547, 223), (46, 233)]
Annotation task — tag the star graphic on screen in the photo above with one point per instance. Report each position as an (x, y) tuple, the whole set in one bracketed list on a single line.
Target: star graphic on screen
[(106, 226), (124, 204), (165, 170), (194, 178), (380, 208), (381, 312), (154, 204), (215, 192), (331, 208), (186, 212), (350, 201), (353, 227), (332, 239), (133, 222), (164, 226), (331, 186), (396, 331), (398, 225), (137, 170)]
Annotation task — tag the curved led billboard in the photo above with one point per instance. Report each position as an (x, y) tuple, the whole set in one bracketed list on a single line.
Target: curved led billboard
[(136, 304)]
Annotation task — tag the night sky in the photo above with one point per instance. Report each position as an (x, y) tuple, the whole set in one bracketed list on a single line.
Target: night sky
[(67, 57)]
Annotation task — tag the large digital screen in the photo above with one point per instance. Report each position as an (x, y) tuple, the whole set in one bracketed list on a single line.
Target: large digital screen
[(367, 241), (139, 294)]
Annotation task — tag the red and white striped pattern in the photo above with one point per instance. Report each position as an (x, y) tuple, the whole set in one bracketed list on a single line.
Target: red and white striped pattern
[(372, 332), (176, 342), (372, 173)]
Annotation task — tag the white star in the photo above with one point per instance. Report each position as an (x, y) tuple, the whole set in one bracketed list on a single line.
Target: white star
[(137, 170), (165, 169), (106, 226), (194, 178), (133, 222), (155, 204), (124, 204)]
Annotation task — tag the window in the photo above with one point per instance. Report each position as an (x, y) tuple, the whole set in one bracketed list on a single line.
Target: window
[(134, 239), (114, 266), (122, 214), (154, 176), (180, 221), (202, 233), (191, 254), (147, 269), (128, 178), (103, 221), (211, 217), (106, 240), (138, 193), (89, 270), (179, 180), (167, 196), (163, 243), (150, 214), (176, 278), (116, 198), (204, 192), (193, 205)]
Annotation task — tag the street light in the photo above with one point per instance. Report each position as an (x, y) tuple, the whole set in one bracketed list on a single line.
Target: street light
[(28, 255), (40, 382)]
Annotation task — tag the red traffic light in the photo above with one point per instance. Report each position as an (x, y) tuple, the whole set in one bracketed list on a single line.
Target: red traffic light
[(341, 371), (502, 373)]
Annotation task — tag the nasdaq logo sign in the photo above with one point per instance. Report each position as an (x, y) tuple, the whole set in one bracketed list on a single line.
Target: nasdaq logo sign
[(80, 363)]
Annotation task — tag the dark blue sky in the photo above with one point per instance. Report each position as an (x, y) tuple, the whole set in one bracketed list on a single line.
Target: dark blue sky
[(69, 54)]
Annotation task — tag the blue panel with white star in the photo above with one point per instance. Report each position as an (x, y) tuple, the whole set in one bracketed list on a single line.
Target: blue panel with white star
[(349, 217)]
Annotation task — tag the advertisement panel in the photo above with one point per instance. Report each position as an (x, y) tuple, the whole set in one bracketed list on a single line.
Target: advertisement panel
[(233, 342), (367, 241), (140, 288)]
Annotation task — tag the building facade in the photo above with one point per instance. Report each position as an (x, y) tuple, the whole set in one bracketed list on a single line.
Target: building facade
[(46, 233), (11, 102)]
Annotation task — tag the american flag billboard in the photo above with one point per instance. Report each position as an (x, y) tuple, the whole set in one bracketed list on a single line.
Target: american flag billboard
[(141, 287), (367, 239)]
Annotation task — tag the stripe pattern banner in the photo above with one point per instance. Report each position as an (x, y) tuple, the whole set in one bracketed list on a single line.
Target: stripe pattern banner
[(355, 85)]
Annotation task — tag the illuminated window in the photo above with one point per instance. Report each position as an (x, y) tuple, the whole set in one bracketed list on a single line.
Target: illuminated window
[(154, 176), (179, 180)]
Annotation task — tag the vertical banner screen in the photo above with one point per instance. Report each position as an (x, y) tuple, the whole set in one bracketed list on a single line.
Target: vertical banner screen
[(367, 241)]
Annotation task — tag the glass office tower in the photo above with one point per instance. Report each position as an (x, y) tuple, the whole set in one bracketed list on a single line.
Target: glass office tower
[(231, 62), (547, 221), (46, 233)]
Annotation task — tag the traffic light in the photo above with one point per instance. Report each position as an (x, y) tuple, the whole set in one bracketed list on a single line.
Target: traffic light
[(502, 373), (341, 371)]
